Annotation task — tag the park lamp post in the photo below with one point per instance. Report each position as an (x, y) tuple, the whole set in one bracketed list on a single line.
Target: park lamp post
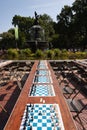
[(16, 35)]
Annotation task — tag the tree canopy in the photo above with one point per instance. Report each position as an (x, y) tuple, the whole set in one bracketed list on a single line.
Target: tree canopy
[(69, 32), (72, 25)]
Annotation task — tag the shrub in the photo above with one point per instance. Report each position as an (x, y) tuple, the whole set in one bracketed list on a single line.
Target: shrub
[(64, 51), (25, 54), (57, 53), (50, 54), (39, 54), (72, 55), (12, 54), (64, 54), (85, 55), (80, 55)]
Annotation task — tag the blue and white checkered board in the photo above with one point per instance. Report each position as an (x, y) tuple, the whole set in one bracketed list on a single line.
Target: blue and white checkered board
[(42, 79), (41, 90), (42, 72), (42, 117)]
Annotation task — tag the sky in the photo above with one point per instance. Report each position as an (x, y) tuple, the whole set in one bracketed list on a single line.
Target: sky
[(26, 8)]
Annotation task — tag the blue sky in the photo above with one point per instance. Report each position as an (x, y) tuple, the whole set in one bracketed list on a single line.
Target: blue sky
[(8, 8)]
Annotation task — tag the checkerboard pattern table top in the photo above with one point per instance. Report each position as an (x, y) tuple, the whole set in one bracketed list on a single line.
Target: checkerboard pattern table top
[(42, 90), (42, 117)]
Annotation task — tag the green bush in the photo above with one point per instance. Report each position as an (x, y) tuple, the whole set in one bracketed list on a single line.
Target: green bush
[(57, 53), (80, 55), (64, 51), (12, 54), (50, 54), (85, 55), (64, 54), (39, 54), (71, 55), (25, 54)]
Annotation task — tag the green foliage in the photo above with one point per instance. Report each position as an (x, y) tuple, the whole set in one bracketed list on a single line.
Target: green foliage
[(50, 54), (69, 32), (64, 51), (80, 55), (7, 35), (57, 53), (25, 54), (39, 54), (12, 54), (7, 40), (72, 55), (54, 40), (25, 23), (22, 40), (72, 25), (64, 54), (77, 55), (47, 24)]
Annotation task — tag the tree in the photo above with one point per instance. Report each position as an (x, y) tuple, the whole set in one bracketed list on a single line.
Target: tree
[(47, 23), (7, 40), (72, 25), (24, 24), (80, 15), (64, 26)]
